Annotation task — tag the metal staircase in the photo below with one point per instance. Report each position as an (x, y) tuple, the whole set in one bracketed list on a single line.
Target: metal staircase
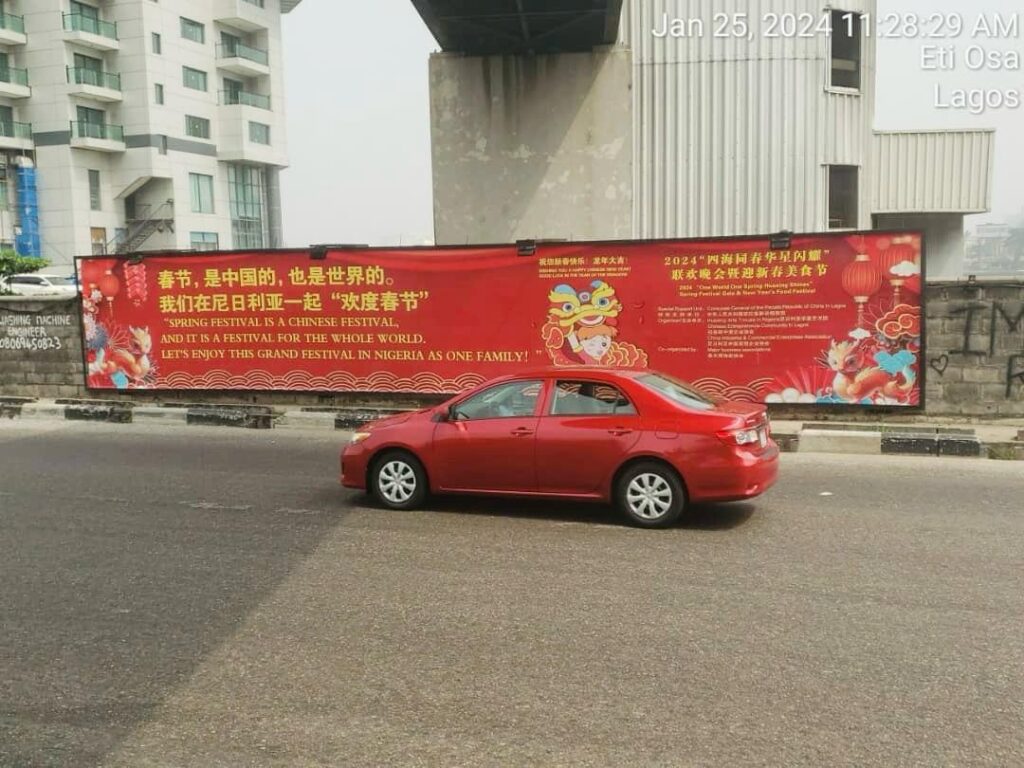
[(141, 229)]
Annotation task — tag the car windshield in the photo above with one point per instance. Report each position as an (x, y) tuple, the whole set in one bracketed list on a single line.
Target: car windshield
[(677, 391)]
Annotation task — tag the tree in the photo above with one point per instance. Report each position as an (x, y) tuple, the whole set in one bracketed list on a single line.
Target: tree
[(13, 264)]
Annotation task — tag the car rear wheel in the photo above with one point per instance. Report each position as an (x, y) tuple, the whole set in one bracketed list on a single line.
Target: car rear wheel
[(398, 481), (651, 495)]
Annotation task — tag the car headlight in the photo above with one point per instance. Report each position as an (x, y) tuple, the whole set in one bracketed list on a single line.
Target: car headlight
[(358, 437)]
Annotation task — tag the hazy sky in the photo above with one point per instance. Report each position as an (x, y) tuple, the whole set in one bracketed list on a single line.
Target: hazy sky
[(359, 122)]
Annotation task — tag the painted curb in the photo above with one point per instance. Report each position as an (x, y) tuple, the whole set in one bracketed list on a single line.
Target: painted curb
[(111, 413), (833, 441), (306, 420), (157, 414), (244, 417)]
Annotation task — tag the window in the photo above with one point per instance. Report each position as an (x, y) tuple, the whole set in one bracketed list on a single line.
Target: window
[(204, 241), (95, 202), (247, 197), (193, 30), (517, 399), (229, 43), (259, 133), (158, 93), (842, 196), (677, 391), (201, 191), (846, 47), (162, 144), (197, 127), (92, 123), (588, 398), (194, 78), (87, 11), (157, 44)]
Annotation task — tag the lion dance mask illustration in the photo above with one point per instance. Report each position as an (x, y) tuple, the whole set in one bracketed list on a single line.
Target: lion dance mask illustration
[(582, 328)]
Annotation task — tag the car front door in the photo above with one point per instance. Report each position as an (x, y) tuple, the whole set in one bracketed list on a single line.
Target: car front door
[(488, 443), (588, 428)]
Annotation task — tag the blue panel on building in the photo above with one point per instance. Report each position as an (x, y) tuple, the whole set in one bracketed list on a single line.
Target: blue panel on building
[(28, 242)]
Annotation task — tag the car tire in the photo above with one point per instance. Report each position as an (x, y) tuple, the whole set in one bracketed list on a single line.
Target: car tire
[(397, 481), (651, 495)]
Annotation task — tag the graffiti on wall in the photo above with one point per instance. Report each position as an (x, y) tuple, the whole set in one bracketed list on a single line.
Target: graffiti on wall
[(1002, 322), (33, 333)]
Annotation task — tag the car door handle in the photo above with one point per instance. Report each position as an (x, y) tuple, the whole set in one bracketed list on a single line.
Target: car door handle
[(522, 432), (620, 432)]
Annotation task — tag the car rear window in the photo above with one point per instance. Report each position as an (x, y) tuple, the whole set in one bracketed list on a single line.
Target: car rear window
[(677, 391)]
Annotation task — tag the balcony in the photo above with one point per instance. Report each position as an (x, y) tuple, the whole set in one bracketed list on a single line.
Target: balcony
[(100, 137), (247, 15), (14, 83), (234, 142), (243, 60), (90, 32), (101, 86), (16, 136), (245, 99), (12, 29)]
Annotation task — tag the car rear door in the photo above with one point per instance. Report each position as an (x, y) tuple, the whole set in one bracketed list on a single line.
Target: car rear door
[(586, 430), (489, 444)]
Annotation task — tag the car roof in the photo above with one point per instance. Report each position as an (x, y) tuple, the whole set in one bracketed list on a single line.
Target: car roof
[(585, 371)]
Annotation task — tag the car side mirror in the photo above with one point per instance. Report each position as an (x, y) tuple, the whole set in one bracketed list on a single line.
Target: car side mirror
[(448, 414)]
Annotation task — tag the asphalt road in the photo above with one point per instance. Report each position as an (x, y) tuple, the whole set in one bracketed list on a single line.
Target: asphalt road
[(204, 597)]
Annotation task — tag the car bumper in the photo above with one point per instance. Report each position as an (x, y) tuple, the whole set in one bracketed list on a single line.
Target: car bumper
[(352, 470), (745, 475)]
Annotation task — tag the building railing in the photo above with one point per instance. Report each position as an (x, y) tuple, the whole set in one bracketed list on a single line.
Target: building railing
[(14, 75), (257, 3), (77, 22), (242, 51), (83, 129), (86, 76), (12, 22), (12, 130), (245, 98)]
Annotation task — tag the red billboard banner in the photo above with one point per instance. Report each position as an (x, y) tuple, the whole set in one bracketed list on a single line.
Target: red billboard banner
[(828, 319)]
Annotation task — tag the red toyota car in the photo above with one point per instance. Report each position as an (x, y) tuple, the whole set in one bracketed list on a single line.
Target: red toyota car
[(647, 442)]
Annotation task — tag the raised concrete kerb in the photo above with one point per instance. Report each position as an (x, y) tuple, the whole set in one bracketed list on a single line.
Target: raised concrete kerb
[(837, 441), (306, 420)]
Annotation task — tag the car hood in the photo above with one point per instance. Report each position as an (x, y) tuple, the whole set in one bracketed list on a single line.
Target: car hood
[(395, 420)]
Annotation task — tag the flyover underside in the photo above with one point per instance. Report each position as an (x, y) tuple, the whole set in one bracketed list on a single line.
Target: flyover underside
[(492, 27)]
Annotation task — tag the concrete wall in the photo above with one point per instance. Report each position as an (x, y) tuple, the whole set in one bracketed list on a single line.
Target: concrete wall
[(53, 368), (976, 349), (532, 147)]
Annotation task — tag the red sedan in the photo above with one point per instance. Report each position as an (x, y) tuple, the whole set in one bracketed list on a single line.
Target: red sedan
[(647, 442)]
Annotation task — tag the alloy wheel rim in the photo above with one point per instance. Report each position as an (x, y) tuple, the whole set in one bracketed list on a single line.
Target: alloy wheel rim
[(649, 496), (397, 482)]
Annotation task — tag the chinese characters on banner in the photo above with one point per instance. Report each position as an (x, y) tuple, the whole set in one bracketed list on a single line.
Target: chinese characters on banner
[(833, 319)]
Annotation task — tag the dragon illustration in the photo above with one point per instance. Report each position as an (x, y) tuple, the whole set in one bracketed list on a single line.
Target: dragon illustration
[(582, 328)]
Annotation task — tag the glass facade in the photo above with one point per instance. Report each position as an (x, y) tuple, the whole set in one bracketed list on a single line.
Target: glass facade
[(247, 195)]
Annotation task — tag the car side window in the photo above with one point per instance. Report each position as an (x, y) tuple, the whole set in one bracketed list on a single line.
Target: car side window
[(26, 281), (589, 398), (516, 399)]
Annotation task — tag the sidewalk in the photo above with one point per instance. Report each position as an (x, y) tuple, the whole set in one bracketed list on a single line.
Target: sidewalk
[(1002, 439)]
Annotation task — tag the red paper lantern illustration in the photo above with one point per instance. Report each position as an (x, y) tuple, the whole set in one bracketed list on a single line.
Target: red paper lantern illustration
[(891, 257), (109, 286), (861, 280)]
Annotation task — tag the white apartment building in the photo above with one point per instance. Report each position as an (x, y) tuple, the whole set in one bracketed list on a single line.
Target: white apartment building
[(131, 125)]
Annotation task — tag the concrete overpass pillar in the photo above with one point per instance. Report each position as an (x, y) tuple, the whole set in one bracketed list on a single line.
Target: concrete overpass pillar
[(532, 146)]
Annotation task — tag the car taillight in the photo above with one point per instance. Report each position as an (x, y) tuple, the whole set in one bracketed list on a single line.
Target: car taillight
[(740, 436)]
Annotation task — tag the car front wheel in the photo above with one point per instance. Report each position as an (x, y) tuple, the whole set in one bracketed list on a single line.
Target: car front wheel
[(651, 495), (398, 481)]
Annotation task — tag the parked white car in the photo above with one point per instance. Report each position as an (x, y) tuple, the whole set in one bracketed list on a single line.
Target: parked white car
[(39, 284)]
